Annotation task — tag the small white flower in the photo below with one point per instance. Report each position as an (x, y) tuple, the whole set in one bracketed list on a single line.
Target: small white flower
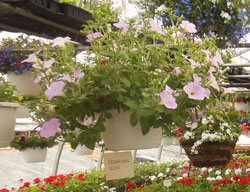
[(185, 175), (160, 175), (218, 178), (228, 171), (218, 172), (152, 178), (247, 170), (167, 170), (179, 178), (238, 171), (210, 170)]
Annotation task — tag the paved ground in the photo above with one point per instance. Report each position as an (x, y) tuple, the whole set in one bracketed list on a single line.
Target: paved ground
[(14, 168)]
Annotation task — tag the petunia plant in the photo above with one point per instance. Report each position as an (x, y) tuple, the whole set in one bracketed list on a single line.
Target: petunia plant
[(158, 73)]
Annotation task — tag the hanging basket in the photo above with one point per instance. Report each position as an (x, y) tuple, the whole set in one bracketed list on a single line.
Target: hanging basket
[(241, 106), (31, 155), (120, 135), (83, 150), (210, 154), (25, 84)]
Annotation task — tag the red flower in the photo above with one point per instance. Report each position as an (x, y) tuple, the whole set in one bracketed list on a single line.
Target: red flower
[(140, 188), (49, 179), (243, 128), (101, 100), (236, 177), (43, 188), (216, 183), (22, 139), (20, 180), (103, 63), (4, 82), (227, 181), (223, 166), (186, 181), (178, 131), (4, 190), (243, 182), (26, 184), (130, 185), (215, 190), (37, 180), (243, 161)]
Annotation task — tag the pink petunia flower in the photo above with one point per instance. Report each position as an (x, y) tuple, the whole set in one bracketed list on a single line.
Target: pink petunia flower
[(177, 71), (55, 89), (50, 128), (156, 27), (214, 83), (216, 59), (78, 74), (93, 36), (60, 41), (187, 26), (168, 100), (67, 77), (195, 91), (226, 90), (31, 59), (123, 26)]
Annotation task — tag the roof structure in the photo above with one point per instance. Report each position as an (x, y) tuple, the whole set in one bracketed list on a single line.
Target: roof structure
[(44, 18)]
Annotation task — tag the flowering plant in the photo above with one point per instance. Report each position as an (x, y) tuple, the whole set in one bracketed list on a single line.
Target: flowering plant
[(157, 73), (242, 97), (7, 91), (22, 141), (174, 175), (226, 19), (12, 61)]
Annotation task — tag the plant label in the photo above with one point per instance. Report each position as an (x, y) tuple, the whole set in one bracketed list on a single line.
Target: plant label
[(118, 165)]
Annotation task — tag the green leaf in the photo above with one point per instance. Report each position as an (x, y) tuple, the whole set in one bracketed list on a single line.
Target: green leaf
[(133, 119), (125, 81), (90, 143), (158, 123), (145, 127), (131, 104)]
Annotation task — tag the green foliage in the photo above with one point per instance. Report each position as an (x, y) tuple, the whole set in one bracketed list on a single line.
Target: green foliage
[(33, 140), (7, 91)]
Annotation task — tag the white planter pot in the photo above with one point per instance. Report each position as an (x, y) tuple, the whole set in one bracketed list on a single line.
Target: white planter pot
[(7, 122), (25, 84), (170, 141), (22, 112), (120, 135), (241, 106), (83, 150), (31, 155)]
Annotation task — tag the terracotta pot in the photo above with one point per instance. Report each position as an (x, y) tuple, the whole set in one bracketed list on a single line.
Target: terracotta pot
[(7, 122), (120, 135), (210, 154)]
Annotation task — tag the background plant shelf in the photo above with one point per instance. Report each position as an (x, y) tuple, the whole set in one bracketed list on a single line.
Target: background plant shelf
[(44, 18)]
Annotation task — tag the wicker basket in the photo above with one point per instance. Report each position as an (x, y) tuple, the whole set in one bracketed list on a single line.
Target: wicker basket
[(210, 154)]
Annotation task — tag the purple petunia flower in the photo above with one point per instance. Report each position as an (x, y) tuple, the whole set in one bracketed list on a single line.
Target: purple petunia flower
[(93, 35), (50, 128), (60, 41), (168, 100), (197, 79), (123, 26), (156, 27), (195, 91), (55, 89), (226, 90)]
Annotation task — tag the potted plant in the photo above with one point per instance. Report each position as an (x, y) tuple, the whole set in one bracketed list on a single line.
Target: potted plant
[(32, 145), (228, 20), (17, 71), (241, 103), (138, 76), (8, 107), (209, 136)]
